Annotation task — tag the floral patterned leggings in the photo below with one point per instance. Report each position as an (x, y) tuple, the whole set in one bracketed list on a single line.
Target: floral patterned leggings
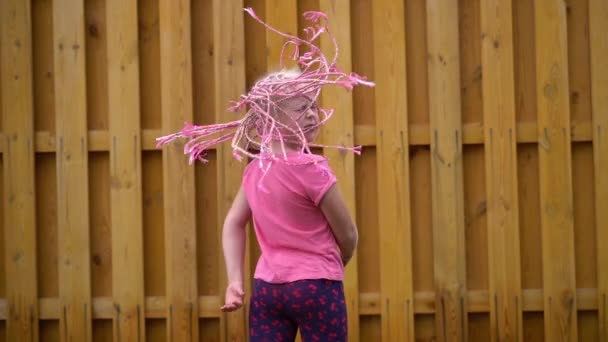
[(317, 307)]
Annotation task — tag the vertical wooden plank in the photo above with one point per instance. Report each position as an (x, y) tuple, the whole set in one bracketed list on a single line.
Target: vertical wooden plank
[(366, 192), (42, 56), (446, 168), (534, 330), (210, 330), (49, 331), (96, 65), (425, 328), (178, 176), (46, 163), (555, 171), (153, 220), (368, 249), (102, 330), (19, 172), (362, 63), (392, 138), (255, 67), (153, 225), (100, 221), (370, 327), (282, 15), (98, 161), (2, 235), (476, 235), (479, 327), (202, 63), (149, 62), (476, 220), (420, 163), (598, 26), (339, 131), (255, 57), (498, 88), (156, 330), (229, 71), (209, 252), (525, 68), (577, 13), (1, 72), (588, 326), (422, 235), (72, 175), (47, 230), (125, 170), (469, 28), (583, 187), (529, 217), (416, 47), (422, 218)]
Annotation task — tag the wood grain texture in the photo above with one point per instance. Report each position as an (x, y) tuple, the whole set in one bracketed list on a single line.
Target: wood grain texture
[(178, 175), (395, 230), (501, 171), (555, 180), (447, 170), (229, 68), (125, 171), (598, 26), (43, 68), (282, 15), (340, 132), (72, 171), (19, 199)]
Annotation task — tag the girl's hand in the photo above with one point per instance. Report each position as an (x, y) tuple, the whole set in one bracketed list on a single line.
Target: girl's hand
[(234, 297)]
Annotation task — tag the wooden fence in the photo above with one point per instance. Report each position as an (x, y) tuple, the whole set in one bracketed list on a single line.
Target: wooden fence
[(481, 194)]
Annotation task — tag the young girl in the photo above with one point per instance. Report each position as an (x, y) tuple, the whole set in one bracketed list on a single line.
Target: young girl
[(305, 233), (304, 230)]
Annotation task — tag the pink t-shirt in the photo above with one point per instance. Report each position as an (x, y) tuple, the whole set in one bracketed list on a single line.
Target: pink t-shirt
[(295, 238)]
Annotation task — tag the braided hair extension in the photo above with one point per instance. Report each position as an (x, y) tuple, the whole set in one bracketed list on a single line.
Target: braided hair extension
[(259, 127)]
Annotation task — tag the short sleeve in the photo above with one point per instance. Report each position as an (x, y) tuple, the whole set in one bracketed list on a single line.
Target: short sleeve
[(316, 179)]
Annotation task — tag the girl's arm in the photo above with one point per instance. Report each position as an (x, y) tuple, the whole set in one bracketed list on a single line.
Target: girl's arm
[(233, 241), (339, 219)]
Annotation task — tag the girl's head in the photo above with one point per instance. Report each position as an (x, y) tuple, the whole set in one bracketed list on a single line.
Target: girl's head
[(291, 109)]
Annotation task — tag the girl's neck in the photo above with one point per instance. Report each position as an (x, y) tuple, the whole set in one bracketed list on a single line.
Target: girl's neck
[(278, 148)]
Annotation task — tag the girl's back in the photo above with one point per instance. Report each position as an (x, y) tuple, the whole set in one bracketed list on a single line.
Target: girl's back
[(294, 236)]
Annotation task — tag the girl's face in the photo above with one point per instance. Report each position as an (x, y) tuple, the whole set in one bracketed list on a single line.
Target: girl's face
[(300, 113)]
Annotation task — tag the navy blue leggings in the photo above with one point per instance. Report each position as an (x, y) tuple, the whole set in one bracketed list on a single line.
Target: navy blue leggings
[(317, 307)]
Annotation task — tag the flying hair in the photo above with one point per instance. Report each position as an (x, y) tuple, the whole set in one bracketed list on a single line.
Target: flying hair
[(259, 127)]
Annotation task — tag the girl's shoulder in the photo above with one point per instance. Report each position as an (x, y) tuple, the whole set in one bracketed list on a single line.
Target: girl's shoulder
[(288, 159), (293, 163)]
